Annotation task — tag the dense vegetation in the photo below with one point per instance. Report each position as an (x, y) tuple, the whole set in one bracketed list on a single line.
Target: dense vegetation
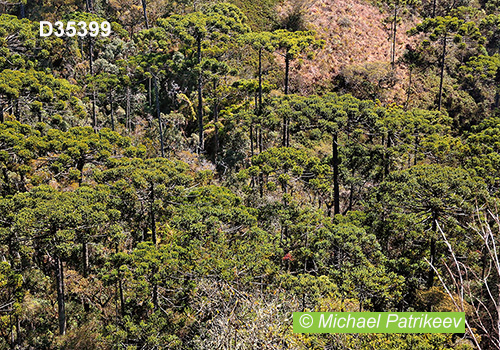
[(167, 187)]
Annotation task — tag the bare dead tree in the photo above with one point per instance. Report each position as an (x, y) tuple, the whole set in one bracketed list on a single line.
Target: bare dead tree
[(476, 287)]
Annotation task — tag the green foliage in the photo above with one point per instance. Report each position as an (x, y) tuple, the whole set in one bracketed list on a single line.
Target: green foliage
[(41, 96), (460, 39), (258, 13), (482, 153), (409, 207), (215, 23), (442, 28), (297, 43), (22, 48), (292, 202), (490, 28)]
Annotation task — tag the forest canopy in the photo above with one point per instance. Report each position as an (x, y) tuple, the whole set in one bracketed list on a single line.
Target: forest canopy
[(194, 178)]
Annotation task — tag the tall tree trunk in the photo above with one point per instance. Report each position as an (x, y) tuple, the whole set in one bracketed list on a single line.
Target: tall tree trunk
[(251, 138), (259, 106), (122, 299), (152, 214), (2, 120), (260, 139), (150, 88), (415, 154), (387, 160), (200, 100), (112, 110), (216, 120), (287, 73), (351, 192), (91, 65), (252, 122), (155, 290), (287, 132), (393, 59), (85, 257), (335, 164), (259, 111), (261, 176), (17, 114), (328, 209), (283, 143), (127, 109), (60, 296), (22, 11), (434, 8), (153, 238), (285, 119), (441, 77), (85, 261), (261, 185), (143, 2), (80, 164), (432, 257), (158, 115)]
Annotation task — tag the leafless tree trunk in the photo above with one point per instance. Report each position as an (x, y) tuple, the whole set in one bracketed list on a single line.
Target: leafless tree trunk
[(441, 76), (200, 101), (112, 110), (216, 121), (127, 111), (335, 165), (469, 287), (91, 64), (394, 26), (158, 115), (259, 110), (286, 136)]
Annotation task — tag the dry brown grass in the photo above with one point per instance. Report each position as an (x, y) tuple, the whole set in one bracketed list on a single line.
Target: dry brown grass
[(355, 34)]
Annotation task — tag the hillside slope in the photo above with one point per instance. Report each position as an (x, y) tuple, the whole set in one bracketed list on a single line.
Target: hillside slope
[(355, 35)]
